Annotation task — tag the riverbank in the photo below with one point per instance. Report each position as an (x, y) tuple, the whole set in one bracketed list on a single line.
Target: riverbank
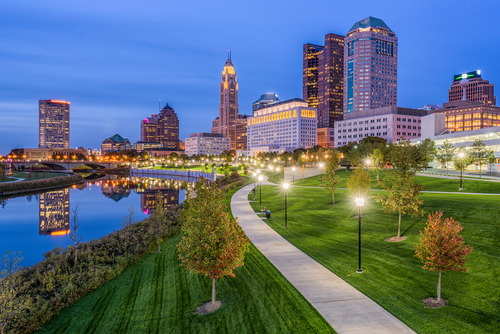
[(22, 187)]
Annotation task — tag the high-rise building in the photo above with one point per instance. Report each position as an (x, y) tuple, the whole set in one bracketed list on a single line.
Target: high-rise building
[(265, 100), (228, 107), (148, 129), (207, 143), (310, 73), (241, 133), (53, 116), (54, 212), (323, 79), (167, 128), (476, 89), (370, 66)]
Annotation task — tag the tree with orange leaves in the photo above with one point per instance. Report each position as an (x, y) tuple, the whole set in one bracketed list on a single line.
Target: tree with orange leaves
[(440, 247), (213, 243)]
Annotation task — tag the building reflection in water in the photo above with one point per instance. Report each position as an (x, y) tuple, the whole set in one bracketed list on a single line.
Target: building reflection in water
[(54, 212)]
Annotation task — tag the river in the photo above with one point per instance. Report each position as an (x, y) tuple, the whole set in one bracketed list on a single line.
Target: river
[(38, 223)]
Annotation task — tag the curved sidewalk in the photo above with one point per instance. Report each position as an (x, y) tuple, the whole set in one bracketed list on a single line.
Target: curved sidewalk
[(346, 309)]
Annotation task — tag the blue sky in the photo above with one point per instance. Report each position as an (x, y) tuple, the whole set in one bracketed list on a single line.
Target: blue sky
[(113, 60)]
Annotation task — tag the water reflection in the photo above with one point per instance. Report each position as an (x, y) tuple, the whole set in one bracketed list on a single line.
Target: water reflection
[(54, 212)]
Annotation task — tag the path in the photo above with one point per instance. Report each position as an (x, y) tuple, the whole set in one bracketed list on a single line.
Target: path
[(346, 309)]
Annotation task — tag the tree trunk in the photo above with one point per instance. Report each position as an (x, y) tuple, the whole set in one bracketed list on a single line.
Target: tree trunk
[(213, 290), (446, 169), (439, 286), (399, 225), (76, 256), (377, 174), (333, 197), (480, 170)]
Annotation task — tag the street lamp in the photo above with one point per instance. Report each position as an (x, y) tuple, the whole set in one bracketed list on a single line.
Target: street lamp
[(461, 155), (285, 186), (368, 164), (260, 190), (322, 172), (359, 203)]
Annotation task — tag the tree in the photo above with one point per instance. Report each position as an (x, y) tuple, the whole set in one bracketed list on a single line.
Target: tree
[(404, 157), (440, 247), (159, 217), (129, 218), (377, 158), (480, 153), (427, 151), (213, 243), (403, 196), (358, 183), (331, 180), (75, 236), (446, 153)]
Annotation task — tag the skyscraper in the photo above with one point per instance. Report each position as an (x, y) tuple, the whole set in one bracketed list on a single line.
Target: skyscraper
[(476, 89), (370, 66), (228, 107), (265, 100), (148, 129), (167, 128), (53, 120), (54, 212), (323, 75)]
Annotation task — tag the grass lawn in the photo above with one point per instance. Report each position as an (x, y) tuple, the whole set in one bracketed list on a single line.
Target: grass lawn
[(6, 179), (430, 183), (156, 295), (392, 276), (37, 175)]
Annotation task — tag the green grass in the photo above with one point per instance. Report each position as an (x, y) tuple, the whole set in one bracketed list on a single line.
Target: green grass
[(430, 183), (392, 276), (156, 295), (6, 179), (37, 176)]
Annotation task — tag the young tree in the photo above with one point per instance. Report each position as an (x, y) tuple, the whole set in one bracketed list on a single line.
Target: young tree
[(331, 180), (358, 183), (159, 217), (427, 152), (377, 158), (403, 196), (446, 153), (75, 236), (440, 247), (480, 153), (129, 218), (213, 243)]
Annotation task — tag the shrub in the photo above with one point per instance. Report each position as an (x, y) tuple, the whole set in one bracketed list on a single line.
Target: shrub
[(21, 186)]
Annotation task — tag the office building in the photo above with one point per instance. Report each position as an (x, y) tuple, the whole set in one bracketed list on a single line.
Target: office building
[(228, 107), (115, 143), (53, 116), (470, 87), (326, 137), (265, 100), (282, 127), (54, 212), (370, 66), (430, 107), (391, 123), (148, 129), (241, 133), (144, 145), (470, 117), (167, 128), (207, 143), (310, 73)]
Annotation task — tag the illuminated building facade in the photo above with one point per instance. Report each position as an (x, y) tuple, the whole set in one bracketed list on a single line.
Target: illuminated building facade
[(471, 117), (167, 128), (370, 66), (148, 129), (265, 100), (326, 137), (142, 145), (207, 143), (115, 143), (310, 73), (283, 126), (54, 212), (476, 89), (241, 132), (53, 118), (149, 197)]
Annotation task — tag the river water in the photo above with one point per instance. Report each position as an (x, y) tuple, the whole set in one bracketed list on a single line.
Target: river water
[(38, 223)]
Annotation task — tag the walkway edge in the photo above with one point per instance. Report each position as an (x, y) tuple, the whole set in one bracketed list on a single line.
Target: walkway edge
[(346, 309)]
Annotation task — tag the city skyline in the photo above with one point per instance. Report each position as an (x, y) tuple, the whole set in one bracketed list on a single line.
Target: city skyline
[(115, 77)]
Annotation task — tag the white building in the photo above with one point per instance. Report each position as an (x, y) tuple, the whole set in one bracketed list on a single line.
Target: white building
[(281, 127), (434, 127), (207, 143), (391, 123)]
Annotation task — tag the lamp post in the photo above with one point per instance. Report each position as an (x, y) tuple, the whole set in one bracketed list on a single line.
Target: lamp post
[(368, 165), (293, 174), (260, 190), (322, 172), (285, 186), (359, 203), (461, 155)]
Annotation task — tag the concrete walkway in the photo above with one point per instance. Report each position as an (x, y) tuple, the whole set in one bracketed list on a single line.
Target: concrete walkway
[(346, 309)]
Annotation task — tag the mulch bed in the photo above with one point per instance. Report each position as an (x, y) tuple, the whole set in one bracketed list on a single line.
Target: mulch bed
[(208, 308), (434, 303)]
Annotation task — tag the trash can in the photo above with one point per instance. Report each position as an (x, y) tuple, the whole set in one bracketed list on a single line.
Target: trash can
[(268, 214)]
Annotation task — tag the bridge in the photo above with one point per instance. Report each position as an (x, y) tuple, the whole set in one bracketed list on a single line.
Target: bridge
[(66, 165)]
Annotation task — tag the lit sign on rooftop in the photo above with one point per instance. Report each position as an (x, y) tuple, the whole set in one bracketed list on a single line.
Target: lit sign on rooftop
[(468, 75)]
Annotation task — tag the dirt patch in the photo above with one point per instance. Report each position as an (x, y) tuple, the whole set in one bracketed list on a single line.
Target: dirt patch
[(395, 239), (434, 303), (208, 308)]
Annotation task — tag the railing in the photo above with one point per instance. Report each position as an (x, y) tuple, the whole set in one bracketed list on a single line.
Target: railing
[(171, 174)]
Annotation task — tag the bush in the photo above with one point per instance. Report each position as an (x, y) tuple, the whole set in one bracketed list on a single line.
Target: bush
[(54, 283), (21, 186)]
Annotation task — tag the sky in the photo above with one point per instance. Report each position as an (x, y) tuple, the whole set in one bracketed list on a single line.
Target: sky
[(114, 60)]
